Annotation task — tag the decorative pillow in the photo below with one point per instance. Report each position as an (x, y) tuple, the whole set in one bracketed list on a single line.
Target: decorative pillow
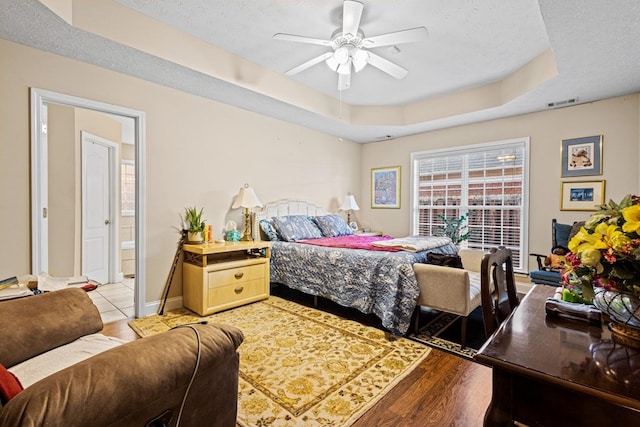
[(9, 385), (332, 225), (296, 227), (269, 230), (444, 260)]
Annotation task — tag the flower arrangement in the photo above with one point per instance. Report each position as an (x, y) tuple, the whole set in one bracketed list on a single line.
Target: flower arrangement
[(606, 251), (455, 228)]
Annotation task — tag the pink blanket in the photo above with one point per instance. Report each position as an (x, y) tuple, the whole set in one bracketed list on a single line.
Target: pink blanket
[(353, 241)]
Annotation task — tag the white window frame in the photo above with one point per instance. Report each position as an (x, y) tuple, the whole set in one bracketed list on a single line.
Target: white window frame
[(127, 212), (523, 142)]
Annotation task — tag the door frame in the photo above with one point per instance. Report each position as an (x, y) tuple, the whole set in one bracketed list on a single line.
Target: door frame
[(39, 230), (114, 201)]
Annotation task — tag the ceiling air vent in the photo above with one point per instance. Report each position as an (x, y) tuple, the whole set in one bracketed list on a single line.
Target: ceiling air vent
[(562, 103)]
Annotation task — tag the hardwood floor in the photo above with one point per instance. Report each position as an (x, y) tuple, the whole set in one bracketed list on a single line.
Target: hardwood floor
[(444, 390)]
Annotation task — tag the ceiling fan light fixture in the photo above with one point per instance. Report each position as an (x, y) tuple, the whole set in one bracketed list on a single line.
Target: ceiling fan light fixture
[(342, 54), (360, 59), (332, 63)]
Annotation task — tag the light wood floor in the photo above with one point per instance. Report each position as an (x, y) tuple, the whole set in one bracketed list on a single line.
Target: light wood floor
[(444, 390)]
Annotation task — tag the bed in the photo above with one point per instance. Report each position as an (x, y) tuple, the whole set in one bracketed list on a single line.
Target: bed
[(381, 282)]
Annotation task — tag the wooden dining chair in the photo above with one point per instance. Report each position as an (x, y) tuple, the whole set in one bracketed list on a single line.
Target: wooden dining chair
[(497, 288)]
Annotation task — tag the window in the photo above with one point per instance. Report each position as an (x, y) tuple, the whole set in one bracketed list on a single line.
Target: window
[(488, 181), (128, 188)]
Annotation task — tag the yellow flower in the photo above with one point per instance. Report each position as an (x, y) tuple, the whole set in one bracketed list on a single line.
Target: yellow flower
[(619, 241), (632, 219), (584, 240), (591, 257)]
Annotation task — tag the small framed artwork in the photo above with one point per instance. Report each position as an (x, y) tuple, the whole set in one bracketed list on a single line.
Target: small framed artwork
[(582, 156), (385, 187), (581, 195)]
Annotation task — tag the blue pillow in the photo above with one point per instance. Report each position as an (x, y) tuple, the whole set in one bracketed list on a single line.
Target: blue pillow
[(269, 230), (296, 227), (332, 225)]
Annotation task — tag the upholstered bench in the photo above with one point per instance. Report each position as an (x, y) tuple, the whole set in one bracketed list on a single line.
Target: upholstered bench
[(451, 290)]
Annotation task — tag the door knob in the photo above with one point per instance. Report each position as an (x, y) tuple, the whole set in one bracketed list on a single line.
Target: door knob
[(107, 222)]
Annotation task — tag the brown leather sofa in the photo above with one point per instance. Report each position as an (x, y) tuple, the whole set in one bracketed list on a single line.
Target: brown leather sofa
[(140, 383)]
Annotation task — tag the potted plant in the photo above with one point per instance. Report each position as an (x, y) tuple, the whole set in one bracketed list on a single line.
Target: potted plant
[(455, 228), (195, 224)]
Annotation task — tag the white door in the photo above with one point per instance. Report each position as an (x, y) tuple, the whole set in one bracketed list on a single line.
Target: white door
[(96, 210)]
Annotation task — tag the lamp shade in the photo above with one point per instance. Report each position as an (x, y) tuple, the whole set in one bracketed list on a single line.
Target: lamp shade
[(246, 199), (349, 203)]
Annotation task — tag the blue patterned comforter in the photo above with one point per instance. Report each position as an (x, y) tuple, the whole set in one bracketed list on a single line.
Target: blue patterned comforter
[(382, 283)]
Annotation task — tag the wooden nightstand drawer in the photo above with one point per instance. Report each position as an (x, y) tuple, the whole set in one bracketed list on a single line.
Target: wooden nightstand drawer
[(221, 296), (232, 276)]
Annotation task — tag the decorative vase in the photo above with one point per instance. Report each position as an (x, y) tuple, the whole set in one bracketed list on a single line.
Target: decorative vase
[(624, 311), (195, 237)]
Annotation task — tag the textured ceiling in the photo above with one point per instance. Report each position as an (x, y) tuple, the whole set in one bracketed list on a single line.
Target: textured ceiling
[(472, 45)]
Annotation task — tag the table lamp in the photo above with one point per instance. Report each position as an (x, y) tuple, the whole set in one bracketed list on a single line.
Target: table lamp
[(349, 204), (247, 199)]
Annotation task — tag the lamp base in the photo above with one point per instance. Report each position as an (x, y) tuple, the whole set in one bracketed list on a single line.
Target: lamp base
[(247, 237)]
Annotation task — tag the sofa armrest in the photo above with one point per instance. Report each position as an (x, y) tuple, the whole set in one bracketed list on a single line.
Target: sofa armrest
[(36, 324), (443, 288), (138, 381)]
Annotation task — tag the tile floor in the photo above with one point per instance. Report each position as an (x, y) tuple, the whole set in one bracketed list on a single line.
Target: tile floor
[(114, 300)]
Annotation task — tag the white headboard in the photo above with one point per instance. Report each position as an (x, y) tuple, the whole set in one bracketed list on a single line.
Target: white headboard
[(283, 208)]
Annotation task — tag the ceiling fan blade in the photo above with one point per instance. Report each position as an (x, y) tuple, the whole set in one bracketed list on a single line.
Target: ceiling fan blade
[(398, 37), (344, 80), (387, 66), (309, 63), (351, 14), (301, 39)]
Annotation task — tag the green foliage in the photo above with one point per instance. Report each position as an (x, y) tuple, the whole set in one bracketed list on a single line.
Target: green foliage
[(455, 228), (193, 219)]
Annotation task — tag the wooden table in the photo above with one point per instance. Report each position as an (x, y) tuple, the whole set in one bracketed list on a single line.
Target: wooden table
[(550, 371)]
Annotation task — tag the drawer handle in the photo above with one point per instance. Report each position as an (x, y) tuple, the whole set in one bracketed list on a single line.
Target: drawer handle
[(238, 275), (239, 289)]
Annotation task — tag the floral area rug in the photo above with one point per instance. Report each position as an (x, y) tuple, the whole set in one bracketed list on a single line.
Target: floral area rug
[(442, 331), (303, 367)]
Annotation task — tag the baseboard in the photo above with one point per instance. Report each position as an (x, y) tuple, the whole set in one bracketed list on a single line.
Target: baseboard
[(154, 306)]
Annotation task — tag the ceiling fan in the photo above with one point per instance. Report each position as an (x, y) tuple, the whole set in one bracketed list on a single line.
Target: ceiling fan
[(351, 48)]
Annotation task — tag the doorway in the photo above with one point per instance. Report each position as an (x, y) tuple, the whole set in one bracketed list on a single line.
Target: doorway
[(40, 101)]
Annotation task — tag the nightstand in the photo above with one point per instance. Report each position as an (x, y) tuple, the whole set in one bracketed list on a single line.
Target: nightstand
[(369, 233), (219, 276)]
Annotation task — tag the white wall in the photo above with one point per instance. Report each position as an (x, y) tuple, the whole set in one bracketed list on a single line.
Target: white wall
[(617, 119)]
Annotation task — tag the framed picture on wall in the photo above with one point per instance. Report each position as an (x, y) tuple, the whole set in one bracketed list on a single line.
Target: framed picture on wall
[(385, 187), (582, 156), (581, 195)]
